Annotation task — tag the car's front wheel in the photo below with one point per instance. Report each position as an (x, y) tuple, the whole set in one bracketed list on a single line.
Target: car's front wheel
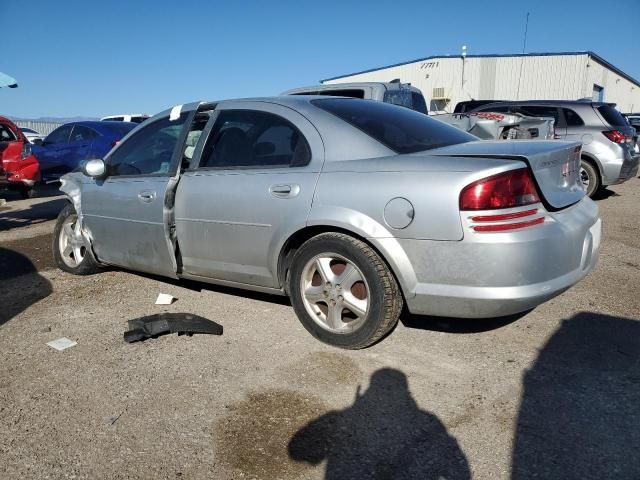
[(70, 249), (343, 292)]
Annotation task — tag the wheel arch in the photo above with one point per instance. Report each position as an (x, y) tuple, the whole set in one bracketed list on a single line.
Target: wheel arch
[(593, 161), (389, 250)]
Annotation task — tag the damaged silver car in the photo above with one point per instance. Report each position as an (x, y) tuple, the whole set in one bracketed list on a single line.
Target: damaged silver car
[(352, 208)]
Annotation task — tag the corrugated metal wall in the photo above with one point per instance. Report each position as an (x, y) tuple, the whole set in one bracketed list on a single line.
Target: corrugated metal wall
[(43, 128), (560, 77)]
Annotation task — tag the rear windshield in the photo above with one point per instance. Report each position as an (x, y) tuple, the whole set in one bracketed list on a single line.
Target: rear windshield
[(401, 129), (122, 128), (406, 98), (612, 116)]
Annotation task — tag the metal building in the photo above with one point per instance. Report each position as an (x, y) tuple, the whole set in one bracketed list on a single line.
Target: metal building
[(447, 80)]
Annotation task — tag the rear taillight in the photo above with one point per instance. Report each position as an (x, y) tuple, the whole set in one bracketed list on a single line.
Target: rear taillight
[(506, 190), (615, 136), (26, 151)]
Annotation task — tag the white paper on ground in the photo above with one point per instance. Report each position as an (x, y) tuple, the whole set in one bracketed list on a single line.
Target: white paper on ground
[(164, 299), (62, 343)]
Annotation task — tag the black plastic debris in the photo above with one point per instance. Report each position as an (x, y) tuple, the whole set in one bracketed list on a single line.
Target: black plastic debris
[(153, 326)]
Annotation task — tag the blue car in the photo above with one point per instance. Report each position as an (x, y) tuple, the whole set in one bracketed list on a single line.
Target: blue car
[(64, 149)]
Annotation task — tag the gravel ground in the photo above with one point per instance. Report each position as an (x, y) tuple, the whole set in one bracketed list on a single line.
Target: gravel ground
[(552, 394)]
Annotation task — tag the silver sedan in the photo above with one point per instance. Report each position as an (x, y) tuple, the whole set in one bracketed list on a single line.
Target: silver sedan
[(353, 208)]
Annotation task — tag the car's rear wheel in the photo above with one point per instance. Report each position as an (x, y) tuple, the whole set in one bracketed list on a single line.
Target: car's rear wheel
[(589, 177), (343, 292), (27, 192), (71, 250)]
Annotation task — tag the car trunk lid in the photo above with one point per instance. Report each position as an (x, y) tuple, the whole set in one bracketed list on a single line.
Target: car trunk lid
[(555, 165)]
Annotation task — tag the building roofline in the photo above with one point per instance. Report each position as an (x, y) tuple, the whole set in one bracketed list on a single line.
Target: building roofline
[(593, 55)]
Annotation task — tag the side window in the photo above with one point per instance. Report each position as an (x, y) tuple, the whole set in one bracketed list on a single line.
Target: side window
[(59, 135), (419, 105), (149, 151), (497, 109), (197, 126), (572, 118), (6, 135), (248, 138), (82, 134), (539, 111)]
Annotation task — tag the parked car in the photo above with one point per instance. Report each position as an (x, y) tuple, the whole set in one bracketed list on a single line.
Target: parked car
[(396, 93), (634, 121), (31, 134), (470, 105), (404, 95), (350, 207), (609, 154), (68, 145), (133, 117), (19, 169), (501, 126)]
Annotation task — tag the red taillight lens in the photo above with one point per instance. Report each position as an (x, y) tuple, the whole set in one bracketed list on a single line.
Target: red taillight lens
[(506, 190), (615, 136)]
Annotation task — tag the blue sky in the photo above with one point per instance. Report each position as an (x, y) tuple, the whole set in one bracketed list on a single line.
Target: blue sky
[(95, 58)]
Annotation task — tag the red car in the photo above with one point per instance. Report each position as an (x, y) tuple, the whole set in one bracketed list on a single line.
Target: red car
[(19, 169)]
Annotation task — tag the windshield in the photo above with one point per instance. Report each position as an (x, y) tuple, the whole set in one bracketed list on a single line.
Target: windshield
[(400, 129)]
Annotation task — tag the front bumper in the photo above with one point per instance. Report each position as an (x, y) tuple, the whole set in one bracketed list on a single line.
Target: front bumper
[(495, 274)]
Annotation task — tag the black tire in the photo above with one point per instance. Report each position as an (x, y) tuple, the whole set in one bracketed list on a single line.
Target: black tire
[(593, 176), (88, 265), (385, 299), (27, 192)]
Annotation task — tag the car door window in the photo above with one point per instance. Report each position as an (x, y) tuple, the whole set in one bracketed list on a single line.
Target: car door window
[(6, 135), (149, 151), (248, 138), (540, 111), (572, 118), (501, 109), (59, 135), (82, 134)]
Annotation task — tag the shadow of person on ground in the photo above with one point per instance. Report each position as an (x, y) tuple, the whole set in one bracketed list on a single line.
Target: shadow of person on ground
[(580, 411), (382, 435), (20, 284)]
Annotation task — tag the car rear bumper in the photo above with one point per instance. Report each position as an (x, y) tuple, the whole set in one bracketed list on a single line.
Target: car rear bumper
[(490, 275), (618, 164)]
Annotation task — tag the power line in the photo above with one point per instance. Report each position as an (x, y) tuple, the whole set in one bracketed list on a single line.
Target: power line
[(524, 46)]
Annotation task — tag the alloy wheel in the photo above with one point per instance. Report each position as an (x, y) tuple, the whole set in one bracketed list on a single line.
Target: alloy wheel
[(71, 242), (335, 293)]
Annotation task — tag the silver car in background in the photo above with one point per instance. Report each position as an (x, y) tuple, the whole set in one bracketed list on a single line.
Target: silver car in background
[(353, 208), (609, 153), (394, 92)]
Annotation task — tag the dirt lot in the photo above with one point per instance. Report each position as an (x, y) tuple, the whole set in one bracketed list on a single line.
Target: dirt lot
[(553, 394)]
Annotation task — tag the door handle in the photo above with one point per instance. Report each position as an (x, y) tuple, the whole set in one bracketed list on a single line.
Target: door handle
[(284, 191), (147, 196)]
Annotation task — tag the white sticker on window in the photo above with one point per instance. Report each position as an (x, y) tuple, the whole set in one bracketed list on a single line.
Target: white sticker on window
[(175, 113)]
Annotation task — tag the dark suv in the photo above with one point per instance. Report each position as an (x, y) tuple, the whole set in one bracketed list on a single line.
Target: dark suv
[(609, 152)]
